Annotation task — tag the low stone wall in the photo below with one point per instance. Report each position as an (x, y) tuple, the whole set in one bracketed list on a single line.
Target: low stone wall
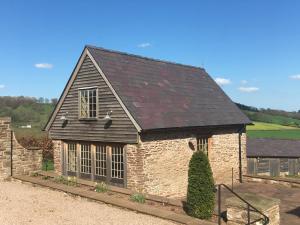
[(237, 210), (158, 165), (289, 182), (14, 158)]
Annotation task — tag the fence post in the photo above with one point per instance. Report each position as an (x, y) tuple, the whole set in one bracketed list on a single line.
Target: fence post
[(219, 204), (11, 152), (248, 214), (232, 178)]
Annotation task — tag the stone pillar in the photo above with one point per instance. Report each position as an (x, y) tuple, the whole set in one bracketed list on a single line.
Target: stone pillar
[(237, 210), (5, 147), (134, 164), (57, 156)]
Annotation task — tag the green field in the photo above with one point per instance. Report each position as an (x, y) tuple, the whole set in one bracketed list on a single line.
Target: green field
[(269, 126), (270, 130), (272, 119)]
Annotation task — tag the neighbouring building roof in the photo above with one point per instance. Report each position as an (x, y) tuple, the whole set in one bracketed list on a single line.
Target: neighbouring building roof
[(160, 94), (262, 147)]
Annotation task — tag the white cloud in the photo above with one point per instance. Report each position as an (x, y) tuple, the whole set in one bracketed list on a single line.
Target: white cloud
[(244, 81), (248, 89), (44, 65), (222, 81), (144, 45), (295, 77), (2, 86)]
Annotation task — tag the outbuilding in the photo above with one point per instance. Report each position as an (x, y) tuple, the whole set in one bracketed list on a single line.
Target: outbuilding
[(273, 157), (135, 122)]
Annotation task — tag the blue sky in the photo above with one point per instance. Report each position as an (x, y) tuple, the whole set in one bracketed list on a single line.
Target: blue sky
[(252, 47)]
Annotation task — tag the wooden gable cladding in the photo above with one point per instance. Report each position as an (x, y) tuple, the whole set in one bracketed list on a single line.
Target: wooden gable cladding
[(121, 129)]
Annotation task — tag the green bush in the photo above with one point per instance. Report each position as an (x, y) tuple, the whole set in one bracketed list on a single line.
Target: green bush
[(70, 181), (200, 193), (60, 179), (101, 187), (138, 197)]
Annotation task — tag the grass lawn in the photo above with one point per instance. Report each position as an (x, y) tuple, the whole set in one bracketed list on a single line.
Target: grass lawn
[(48, 165), (278, 134), (269, 126), (270, 130)]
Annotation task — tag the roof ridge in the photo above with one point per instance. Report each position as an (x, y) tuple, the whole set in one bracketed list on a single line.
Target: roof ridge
[(142, 57)]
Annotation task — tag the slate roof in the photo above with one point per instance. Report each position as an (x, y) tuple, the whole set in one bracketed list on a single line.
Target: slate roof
[(262, 147), (161, 94)]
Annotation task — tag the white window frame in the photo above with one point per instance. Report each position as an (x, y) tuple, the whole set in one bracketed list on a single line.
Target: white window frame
[(88, 89), (203, 144)]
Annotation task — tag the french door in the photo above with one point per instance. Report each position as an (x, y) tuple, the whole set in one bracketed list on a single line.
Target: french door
[(96, 161)]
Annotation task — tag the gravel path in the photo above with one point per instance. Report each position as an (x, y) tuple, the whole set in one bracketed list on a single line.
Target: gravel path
[(23, 204)]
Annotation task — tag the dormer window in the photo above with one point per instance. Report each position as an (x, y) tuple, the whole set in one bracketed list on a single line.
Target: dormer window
[(88, 103)]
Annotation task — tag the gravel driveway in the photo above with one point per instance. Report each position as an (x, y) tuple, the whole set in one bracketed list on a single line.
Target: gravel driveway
[(23, 204)]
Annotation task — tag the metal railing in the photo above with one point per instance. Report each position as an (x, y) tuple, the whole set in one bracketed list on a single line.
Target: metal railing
[(265, 220)]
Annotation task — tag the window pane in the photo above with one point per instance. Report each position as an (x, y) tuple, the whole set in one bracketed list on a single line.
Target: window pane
[(117, 162), (86, 162), (88, 103), (72, 158), (202, 144), (100, 160)]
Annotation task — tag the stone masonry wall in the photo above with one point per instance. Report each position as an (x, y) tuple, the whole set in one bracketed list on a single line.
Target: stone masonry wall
[(24, 161), (224, 156), (159, 163), (57, 149)]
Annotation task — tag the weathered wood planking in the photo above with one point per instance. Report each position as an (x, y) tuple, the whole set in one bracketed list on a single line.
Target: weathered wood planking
[(273, 166), (121, 129)]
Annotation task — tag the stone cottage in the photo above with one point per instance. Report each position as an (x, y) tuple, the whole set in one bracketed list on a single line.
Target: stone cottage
[(134, 122)]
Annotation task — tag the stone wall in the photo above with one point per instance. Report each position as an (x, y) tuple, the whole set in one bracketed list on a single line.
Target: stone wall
[(24, 161), (224, 156), (57, 154), (158, 165), (237, 210)]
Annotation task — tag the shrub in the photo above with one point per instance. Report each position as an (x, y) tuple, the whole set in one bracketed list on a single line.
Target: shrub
[(70, 181), (44, 143), (138, 197), (101, 187), (200, 193), (60, 179)]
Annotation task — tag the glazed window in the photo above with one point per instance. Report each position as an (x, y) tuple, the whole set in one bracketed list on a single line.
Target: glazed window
[(101, 160), (72, 157), (202, 144), (88, 103), (117, 162), (86, 161)]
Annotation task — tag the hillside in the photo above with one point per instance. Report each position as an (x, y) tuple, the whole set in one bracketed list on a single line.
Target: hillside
[(272, 116), (269, 123), (27, 111)]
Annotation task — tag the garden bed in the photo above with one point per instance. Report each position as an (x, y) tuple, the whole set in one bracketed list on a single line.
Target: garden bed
[(168, 207)]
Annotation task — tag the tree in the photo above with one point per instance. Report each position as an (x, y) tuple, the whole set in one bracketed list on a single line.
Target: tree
[(41, 100), (54, 101), (200, 193)]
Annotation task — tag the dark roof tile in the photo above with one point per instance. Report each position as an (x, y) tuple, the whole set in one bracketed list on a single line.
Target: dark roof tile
[(263, 147), (160, 94)]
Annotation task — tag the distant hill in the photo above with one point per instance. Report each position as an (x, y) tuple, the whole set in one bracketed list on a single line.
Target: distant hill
[(35, 112), (27, 111), (280, 117)]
